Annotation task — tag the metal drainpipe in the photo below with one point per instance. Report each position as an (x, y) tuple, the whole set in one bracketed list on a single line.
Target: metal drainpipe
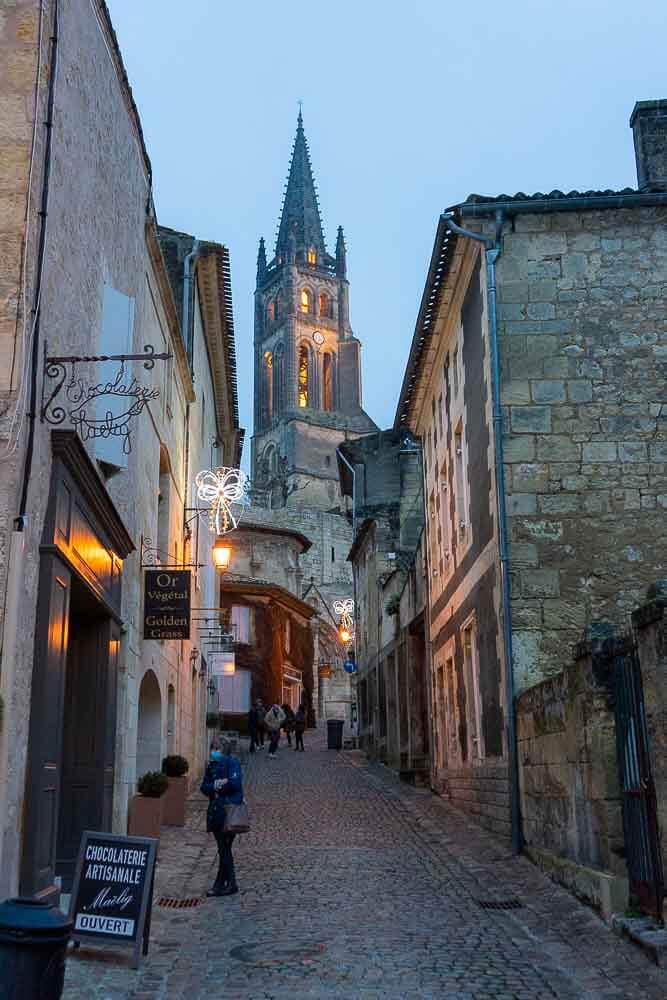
[(493, 249)]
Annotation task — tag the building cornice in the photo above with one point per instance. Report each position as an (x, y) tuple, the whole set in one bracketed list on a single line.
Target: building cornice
[(167, 296), (215, 296)]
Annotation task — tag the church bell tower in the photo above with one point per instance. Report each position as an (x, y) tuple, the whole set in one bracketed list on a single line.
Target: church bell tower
[(307, 360)]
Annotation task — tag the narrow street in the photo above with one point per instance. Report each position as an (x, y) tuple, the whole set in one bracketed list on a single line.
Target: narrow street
[(354, 885)]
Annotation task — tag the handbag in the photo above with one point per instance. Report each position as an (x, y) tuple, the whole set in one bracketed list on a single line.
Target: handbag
[(237, 818)]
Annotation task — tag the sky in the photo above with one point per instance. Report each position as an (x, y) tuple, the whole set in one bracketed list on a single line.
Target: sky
[(408, 108)]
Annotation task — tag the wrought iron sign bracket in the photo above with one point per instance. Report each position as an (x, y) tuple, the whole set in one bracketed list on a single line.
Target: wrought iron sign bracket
[(151, 558), (80, 401)]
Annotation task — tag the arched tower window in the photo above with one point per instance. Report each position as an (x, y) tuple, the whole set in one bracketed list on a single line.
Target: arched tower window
[(278, 380), (312, 256), (306, 304), (325, 307), (303, 385), (279, 308), (327, 383), (268, 385), (271, 311)]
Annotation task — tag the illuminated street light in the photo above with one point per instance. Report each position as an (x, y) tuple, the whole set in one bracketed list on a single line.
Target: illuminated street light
[(222, 554)]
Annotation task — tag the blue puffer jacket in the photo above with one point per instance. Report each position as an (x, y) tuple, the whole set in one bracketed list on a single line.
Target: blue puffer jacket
[(230, 768)]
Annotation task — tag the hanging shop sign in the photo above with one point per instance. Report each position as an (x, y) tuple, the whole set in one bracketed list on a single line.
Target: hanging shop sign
[(97, 409), (223, 664), (350, 667), (112, 894), (166, 604)]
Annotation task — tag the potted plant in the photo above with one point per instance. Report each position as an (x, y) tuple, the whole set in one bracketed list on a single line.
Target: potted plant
[(145, 812), (173, 812)]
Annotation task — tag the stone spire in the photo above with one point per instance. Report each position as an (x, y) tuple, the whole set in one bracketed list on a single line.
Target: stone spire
[(341, 255), (261, 262), (301, 212)]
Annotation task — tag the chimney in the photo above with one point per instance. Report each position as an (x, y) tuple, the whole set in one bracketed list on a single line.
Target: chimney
[(649, 125)]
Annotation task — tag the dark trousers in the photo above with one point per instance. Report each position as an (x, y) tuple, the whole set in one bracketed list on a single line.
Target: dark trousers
[(275, 739), (288, 734), (299, 740), (226, 871), (254, 739)]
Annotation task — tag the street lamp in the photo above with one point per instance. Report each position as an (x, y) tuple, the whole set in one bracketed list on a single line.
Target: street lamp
[(222, 554), (344, 634)]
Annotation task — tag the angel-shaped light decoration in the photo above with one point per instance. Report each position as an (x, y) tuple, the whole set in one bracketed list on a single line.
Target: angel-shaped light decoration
[(224, 490), (345, 610)]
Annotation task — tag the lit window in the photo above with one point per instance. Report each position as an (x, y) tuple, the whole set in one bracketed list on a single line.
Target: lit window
[(271, 312), (327, 383), (268, 385), (305, 301), (303, 377), (312, 256), (324, 304)]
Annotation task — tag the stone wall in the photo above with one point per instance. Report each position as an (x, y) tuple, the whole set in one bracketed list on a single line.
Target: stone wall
[(650, 622), (570, 798), (583, 340)]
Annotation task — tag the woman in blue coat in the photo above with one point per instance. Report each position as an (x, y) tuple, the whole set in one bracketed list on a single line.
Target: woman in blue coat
[(222, 784)]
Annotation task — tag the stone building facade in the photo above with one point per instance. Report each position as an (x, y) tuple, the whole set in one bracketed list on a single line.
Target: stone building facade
[(581, 330), (382, 474), (307, 401), (88, 703)]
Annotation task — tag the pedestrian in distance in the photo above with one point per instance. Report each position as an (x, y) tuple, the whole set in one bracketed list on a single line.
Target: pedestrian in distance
[(288, 724), (261, 727), (273, 721), (299, 727), (254, 727), (222, 785)]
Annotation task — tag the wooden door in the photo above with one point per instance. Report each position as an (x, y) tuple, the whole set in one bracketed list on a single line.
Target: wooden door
[(46, 728)]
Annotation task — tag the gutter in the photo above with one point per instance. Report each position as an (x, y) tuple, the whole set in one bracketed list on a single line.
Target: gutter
[(574, 203), (492, 250)]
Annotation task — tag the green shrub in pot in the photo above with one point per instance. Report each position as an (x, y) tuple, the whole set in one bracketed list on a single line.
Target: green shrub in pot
[(175, 766), (153, 784)]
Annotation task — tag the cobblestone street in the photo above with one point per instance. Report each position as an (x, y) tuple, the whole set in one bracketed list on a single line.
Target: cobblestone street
[(354, 885)]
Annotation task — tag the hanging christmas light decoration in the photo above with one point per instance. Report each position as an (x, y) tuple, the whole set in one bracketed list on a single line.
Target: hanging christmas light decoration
[(345, 611), (225, 490)]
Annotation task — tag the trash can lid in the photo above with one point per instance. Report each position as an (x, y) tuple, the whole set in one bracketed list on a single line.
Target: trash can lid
[(25, 917)]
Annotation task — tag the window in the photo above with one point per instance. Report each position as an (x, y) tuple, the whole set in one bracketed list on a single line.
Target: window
[(163, 508), (271, 312), (471, 668), (461, 491), (327, 383), (280, 302), (444, 512), (327, 461), (241, 623), (312, 256), (268, 386), (306, 301), (333, 555), (303, 384), (325, 308), (278, 374)]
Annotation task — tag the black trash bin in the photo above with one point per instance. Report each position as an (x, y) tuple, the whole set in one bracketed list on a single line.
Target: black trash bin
[(33, 945), (335, 734)]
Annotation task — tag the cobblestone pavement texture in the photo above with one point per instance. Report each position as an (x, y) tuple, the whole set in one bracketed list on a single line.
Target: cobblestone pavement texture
[(355, 885)]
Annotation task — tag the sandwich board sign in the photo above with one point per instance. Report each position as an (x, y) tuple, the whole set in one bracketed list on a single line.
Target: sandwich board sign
[(112, 893)]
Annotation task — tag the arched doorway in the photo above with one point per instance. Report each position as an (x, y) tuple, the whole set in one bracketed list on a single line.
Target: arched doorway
[(149, 725)]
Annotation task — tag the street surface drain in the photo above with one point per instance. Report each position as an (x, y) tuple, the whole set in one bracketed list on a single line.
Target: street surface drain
[(499, 904), (278, 952), (179, 904)]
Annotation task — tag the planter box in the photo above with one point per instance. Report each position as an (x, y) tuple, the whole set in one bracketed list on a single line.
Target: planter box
[(173, 812), (144, 816)]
